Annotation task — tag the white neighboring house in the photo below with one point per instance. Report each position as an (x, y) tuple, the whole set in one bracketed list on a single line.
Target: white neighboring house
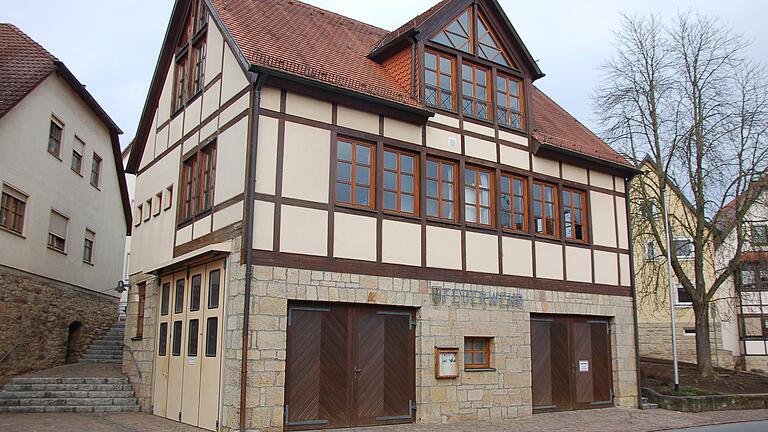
[(65, 210), (130, 181)]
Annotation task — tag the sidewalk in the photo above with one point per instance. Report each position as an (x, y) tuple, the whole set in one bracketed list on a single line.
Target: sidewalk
[(602, 420)]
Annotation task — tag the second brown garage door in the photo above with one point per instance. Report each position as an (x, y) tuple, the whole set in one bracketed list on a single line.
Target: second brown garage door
[(349, 365), (570, 363)]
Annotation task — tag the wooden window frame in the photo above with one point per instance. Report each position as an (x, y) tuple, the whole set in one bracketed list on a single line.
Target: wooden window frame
[(440, 182), (398, 191), (180, 82), (474, 84), (352, 183), (13, 206), (96, 170), (473, 351), (470, 32), (78, 156), (583, 209), (191, 52), (196, 67), (477, 206), (479, 17), (52, 244), (439, 72), (207, 176), (508, 97), (543, 203), (57, 139), (439, 351), (188, 197), (88, 259), (512, 207)]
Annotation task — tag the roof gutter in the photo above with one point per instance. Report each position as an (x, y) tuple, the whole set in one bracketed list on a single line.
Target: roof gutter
[(257, 82)]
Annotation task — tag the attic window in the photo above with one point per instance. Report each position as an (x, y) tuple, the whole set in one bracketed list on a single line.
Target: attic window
[(487, 45), (458, 34)]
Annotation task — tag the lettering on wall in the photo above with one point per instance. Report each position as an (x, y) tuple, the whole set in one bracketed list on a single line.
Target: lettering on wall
[(476, 298)]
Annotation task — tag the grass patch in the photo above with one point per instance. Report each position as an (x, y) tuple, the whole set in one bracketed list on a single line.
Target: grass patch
[(684, 391)]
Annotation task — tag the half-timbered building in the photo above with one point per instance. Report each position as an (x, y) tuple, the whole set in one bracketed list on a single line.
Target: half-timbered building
[(339, 225)]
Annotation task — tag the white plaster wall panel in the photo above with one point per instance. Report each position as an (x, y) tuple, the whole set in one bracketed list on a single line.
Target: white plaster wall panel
[(549, 261), (482, 252), (443, 248), (478, 128), (235, 109), (266, 156), (307, 107), (303, 230), (354, 237), (176, 129), (513, 138), (148, 156), (164, 103), (233, 78), (50, 183), (151, 146), (600, 179), (161, 141), (546, 166), (402, 131), (603, 224), (263, 225), (270, 98), (190, 143), (211, 100), (517, 256), (578, 264), (626, 276), (606, 268), (401, 243), (481, 149), (230, 161), (184, 235), (356, 119), (755, 347), (514, 157), (621, 220), (209, 129), (575, 174), (227, 216), (214, 46), (443, 140), (618, 183), (192, 115), (445, 120), (201, 227), (303, 176)]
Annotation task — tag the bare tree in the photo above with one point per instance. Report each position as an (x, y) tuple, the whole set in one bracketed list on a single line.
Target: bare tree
[(684, 96)]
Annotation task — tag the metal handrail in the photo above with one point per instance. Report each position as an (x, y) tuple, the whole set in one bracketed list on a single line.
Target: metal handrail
[(133, 357), (5, 356)]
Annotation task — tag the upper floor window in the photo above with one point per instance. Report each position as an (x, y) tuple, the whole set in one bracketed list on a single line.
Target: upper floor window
[(207, 176), (488, 46), (754, 277), (12, 210), (649, 252), (197, 70), (354, 173), (77, 155), (478, 193), (441, 189), (189, 191), (759, 235), (400, 182), (199, 17), (54, 137), (649, 210), (474, 90), (57, 231), (573, 214), (198, 173), (683, 248), (90, 236), (438, 77), (683, 298), (509, 102), (513, 203), (190, 57), (458, 34), (180, 83), (545, 218), (96, 170)]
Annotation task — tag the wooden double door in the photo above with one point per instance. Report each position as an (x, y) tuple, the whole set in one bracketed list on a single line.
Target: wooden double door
[(570, 363), (188, 351), (349, 365)]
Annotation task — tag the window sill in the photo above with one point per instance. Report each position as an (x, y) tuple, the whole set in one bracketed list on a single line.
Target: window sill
[(355, 207), (479, 369), (90, 263), (486, 123), (137, 338), (56, 250), (512, 129), (437, 220), (393, 213), (55, 155), (77, 172), (683, 305), (10, 231), (480, 226), (578, 242), (96, 187), (547, 237), (443, 110)]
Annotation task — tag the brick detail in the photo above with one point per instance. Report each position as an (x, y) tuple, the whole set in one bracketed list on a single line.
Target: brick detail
[(399, 66)]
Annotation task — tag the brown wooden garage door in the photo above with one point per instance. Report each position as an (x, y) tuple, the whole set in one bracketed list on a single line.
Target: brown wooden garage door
[(349, 366), (570, 363)]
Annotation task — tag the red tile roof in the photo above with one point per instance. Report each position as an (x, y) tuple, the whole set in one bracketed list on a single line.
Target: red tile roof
[(415, 22), (23, 65), (553, 125)]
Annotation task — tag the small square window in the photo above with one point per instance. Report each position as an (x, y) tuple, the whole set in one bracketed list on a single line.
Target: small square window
[(168, 197), (689, 332), (138, 215), (477, 353), (683, 248), (158, 202), (683, 298)]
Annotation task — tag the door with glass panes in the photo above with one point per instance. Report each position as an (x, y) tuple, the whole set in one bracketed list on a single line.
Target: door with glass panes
[(188, 352)]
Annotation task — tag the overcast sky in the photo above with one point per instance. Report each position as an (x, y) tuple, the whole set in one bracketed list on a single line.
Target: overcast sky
[(112, 45)]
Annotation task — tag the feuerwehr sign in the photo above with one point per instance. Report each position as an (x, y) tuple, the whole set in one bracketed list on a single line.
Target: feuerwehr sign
[(476, 298)]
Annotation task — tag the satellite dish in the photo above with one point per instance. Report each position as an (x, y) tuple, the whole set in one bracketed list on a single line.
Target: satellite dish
[(122, 286)]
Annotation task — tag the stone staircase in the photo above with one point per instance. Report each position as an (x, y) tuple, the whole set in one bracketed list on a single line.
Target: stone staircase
[(94, 385), (108, 348)]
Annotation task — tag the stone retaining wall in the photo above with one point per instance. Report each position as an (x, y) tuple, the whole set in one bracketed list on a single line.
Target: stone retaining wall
[(36, 312), (707, 403)]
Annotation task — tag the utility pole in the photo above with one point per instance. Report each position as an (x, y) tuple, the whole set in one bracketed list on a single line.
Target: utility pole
[(668, 233)]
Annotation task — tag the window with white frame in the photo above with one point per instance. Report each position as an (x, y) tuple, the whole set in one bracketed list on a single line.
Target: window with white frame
[(78, 150), (682, 296), (88, 243), (12, 209), (650, 250), (57, 231), (683, 247)]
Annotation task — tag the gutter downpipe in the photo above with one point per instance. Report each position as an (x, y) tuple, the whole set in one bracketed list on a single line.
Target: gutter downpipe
[(634, 294), (257, 82)]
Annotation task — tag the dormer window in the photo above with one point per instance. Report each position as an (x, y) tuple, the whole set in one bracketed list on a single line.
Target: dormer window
[(509, 101), (438, 74), (487, 44), (459, 35)]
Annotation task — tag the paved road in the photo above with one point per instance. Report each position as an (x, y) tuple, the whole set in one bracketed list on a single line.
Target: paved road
[(758, 426)]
